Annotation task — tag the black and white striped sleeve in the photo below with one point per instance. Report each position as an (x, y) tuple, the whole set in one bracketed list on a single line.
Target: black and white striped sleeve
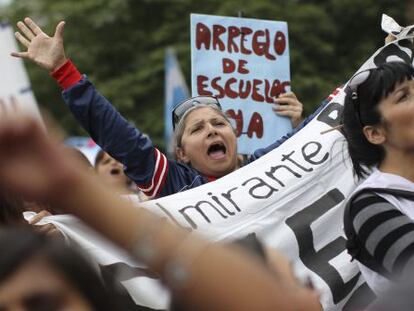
[(385, 232)]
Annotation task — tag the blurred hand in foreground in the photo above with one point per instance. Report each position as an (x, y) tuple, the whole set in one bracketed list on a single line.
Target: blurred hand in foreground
[(30, 161)]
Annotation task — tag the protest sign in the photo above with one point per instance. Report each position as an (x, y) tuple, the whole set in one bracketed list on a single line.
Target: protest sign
[(245, 64), (15, 87)]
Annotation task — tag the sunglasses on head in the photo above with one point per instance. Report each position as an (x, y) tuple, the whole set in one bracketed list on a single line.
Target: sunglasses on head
[(353, 85), (179, 110)]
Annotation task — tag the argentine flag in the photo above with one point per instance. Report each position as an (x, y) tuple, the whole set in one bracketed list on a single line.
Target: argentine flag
[(175, 92)]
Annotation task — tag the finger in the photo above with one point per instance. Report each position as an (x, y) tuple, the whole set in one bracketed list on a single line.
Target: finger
[(20, 54), (33, 26), (287, 108), (293, 115), (2, 105), (288, 94), (45, 229), (55, 233), (286, 113), (14, 103), (59, 30), (390, 38), (22, 39), (38, 217), (25, 30), (288, 101), (3, 109), (53, 130)]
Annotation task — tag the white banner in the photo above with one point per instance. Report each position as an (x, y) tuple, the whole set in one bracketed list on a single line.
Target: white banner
[(14, 84), (292, 198), (144, 291)]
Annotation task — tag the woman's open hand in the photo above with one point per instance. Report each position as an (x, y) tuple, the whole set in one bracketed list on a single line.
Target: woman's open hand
[(48, 52)]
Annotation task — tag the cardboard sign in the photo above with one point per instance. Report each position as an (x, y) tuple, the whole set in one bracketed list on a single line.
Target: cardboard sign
[(245, 64)]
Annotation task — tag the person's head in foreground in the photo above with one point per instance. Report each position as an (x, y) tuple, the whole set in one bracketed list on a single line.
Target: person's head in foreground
[(39, 273), (204, 136), (379, 116)]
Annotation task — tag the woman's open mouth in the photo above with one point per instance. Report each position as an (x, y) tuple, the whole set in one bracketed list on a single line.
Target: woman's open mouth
[(217, 151)]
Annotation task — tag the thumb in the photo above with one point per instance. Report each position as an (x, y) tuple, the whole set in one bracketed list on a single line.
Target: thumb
[(59, 30), (38, 217), (390, 38)]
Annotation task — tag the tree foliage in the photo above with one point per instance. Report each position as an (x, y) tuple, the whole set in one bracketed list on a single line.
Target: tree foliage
[(120, 44)]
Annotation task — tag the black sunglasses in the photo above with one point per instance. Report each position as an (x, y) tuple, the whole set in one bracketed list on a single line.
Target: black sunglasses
[(353, 85), (184, 106)]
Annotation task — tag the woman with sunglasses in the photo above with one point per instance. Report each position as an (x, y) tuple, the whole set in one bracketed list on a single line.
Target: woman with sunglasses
[(206, 145), (379, 127)]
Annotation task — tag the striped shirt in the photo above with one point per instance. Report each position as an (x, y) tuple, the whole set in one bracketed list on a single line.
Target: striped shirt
[(385, 232)]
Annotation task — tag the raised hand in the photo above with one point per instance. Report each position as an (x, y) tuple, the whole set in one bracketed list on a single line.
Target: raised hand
[(47, 52), (289, 106)]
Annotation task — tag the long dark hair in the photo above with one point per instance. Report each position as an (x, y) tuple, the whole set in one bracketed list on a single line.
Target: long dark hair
[(19, 245), (361, 109)]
